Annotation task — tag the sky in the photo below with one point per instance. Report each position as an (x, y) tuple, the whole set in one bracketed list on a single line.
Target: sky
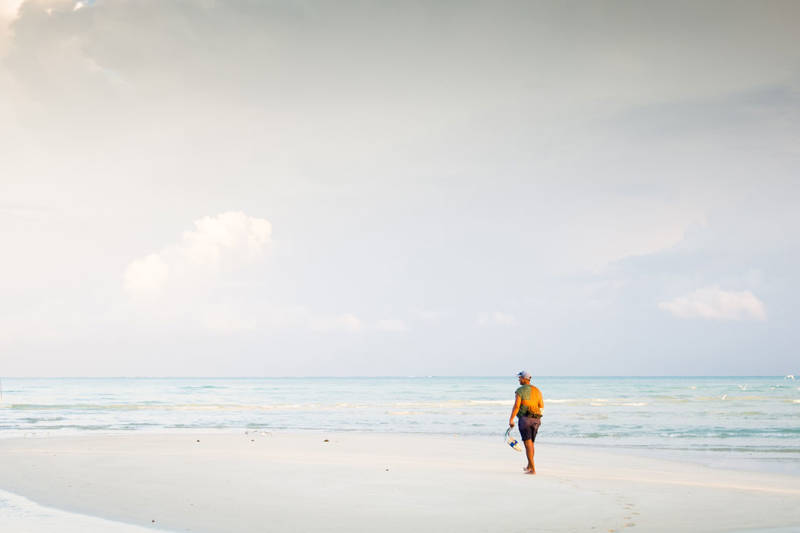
[(313, 188)]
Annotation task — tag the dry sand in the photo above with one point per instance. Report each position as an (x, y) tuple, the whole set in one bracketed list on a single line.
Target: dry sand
[(369, 482)]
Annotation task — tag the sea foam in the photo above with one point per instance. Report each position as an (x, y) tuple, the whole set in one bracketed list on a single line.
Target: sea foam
[(21, 515)]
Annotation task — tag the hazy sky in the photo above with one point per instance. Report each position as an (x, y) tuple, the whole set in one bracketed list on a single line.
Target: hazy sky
[(243, 187)]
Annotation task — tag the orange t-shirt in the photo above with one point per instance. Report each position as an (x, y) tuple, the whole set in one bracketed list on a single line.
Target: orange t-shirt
[(531, 400)]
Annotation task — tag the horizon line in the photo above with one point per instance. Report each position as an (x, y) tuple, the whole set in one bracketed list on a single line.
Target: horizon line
[(406, 376)]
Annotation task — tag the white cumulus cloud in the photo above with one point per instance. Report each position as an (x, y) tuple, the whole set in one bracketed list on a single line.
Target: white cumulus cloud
[(9, 10), (192, 280), (225, 240), (146, 275), (234, 235), (716, 304)]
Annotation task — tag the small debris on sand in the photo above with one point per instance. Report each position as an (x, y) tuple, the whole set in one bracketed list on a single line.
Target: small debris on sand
[(326, 440)]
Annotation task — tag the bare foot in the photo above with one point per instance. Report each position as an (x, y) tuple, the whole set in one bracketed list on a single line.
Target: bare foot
[(531, 472)]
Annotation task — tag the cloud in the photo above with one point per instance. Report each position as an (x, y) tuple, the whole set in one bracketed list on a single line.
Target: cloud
[(232, 234), (146, 275), (9, 11), (496, 318), (187, 280), (81, 4), (714, 303), (224, 241), (391, 324)]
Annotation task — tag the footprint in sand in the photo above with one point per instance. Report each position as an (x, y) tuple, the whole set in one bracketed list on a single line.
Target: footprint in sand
[(630, 524)]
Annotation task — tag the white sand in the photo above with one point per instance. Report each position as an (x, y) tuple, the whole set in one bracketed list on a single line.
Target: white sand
[(20, 515), (356, 482)]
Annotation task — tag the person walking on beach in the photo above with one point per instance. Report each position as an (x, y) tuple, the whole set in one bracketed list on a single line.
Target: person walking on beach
[(528, 406)]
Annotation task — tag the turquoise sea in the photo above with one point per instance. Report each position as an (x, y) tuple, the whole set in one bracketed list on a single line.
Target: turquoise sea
[(717, 420)]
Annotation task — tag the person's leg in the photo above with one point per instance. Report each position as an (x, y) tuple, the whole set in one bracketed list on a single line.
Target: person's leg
[(535, 423), (529, 452), (526, 437)]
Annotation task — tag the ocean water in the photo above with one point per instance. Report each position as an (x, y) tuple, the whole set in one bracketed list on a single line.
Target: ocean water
[(719, 420), (722, 421)]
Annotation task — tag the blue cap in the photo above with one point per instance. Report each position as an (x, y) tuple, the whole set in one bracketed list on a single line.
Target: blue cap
[(524, 375)]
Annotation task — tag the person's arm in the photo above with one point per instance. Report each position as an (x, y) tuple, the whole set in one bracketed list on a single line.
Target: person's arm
[(517, 402), (541, 401)]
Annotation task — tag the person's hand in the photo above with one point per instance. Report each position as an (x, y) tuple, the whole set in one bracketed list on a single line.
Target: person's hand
[(511, 422)]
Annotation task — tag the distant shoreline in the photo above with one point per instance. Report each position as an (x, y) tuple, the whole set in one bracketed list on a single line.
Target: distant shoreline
[(693, 376)]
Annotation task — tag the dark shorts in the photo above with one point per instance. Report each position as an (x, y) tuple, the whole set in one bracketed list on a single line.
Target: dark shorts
[(529, 427)]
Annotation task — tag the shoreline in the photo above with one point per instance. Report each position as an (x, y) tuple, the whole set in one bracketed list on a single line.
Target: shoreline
[(21, 515), (718, 459), (235, 482)]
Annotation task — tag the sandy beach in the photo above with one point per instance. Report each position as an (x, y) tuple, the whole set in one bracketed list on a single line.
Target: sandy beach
[(381, 482)]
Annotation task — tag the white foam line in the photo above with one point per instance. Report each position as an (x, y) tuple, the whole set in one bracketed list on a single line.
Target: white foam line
[(20, 515)]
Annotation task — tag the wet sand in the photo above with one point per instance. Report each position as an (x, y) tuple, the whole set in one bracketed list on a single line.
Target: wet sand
[(379, 482)]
